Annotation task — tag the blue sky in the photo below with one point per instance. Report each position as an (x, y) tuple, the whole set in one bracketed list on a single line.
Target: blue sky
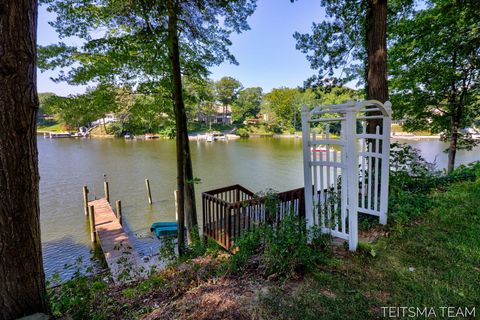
[(266, 54)]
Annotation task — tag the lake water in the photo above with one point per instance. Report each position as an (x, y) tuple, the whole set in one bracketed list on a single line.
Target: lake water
[(68, 164)]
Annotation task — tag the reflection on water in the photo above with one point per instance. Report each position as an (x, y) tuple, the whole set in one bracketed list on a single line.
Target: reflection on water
[(433, 151), (67, 164)]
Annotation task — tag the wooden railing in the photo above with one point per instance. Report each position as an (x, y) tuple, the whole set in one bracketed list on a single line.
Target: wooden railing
[(229, 212)]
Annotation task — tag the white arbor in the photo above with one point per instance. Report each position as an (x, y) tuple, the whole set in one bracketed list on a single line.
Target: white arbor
[(346, 169)]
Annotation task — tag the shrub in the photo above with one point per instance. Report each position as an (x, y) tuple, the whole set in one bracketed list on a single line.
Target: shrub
[(76, 297), (412, 179), (245, 247), (115, 128), (168, 132), (242, 132), (287, 251)]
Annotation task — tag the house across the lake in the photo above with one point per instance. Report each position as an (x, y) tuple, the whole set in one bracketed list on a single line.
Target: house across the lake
[(109, 117), (222, 115)]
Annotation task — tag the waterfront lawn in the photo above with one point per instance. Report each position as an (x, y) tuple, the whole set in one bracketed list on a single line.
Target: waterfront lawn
[(195, 127), (53, 127), (432, 261)]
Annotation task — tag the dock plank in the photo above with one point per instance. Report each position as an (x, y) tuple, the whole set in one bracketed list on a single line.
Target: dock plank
[(122, 259)]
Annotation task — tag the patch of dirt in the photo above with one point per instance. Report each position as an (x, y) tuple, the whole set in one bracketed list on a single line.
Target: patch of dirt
[(328, 293), (373, 234), (225, 297)]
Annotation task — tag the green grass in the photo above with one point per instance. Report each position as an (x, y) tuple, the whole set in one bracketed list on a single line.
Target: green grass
[(57, 127), (434, 262), (430, 260), (198, 127), (399, 128)]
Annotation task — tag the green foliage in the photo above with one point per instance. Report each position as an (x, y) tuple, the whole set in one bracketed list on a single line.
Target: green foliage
[(116, 129), (336, 95), (435, 70), (412, 180), (167, 251), (367, 249), (464, 172), (282, 106), (442, 251), (227, 90), (242, 132), (270, 200), (339, 42), (199, 97), (123, 45), (169, 132), (247, 245), (286, 251), (197, 246), (282, 245), (77, 296), (81, 109), (247, 104)]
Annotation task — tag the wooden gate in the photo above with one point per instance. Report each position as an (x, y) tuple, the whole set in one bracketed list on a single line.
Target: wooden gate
[(346, 169)]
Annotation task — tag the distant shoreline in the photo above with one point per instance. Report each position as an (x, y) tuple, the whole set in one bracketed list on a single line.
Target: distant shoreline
[(273, 135)]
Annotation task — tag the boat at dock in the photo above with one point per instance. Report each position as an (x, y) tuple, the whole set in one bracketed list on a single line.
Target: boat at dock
[(209, 138), (164, 229), (56, 135), (219, 136), (320, 149), (213, 136), (129, 136), (150, 136)]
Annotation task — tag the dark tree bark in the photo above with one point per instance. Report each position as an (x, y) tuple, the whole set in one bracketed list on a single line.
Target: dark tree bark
[(456, 112), (176, 76), (452, 149), (22, 280), (376, 43), (190, 205)]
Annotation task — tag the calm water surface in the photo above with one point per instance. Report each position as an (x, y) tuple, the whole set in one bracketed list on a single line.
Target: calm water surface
[(67, 164)]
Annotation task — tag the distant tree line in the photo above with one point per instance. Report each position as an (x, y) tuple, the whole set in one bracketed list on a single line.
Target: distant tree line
[(204, 100)]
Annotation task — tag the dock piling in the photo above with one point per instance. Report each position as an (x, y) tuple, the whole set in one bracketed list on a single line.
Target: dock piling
[(149, 193), (175, 193), (85, 200), (93, 231), (106, 189), (119, 211)]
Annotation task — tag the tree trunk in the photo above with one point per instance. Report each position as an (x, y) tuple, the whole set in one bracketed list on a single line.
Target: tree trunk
[(377, 84), (452, 149), (22, 279), (174, 54), (190, 204)]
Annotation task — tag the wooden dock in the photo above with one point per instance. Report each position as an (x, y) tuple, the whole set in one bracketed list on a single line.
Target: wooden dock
[(124, 262)]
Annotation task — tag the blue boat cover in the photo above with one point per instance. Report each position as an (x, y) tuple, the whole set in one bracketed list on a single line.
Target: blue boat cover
[(163, 229)]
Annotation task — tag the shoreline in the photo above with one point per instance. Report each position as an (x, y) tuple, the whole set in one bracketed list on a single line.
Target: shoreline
[(194, 137)]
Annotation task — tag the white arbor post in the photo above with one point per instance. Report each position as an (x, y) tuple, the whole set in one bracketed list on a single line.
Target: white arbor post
[(387, 123), (347, 174), (352, 179), (306, 170)]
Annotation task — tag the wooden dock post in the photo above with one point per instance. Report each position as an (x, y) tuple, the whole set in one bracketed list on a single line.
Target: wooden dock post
[(149, 193), (85, 200), (175, 193), (106, 190), (93, 232), (119, 211)]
